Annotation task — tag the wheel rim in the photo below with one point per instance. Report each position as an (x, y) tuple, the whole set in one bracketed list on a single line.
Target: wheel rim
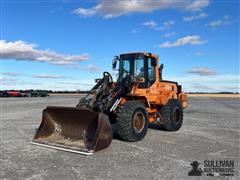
[(176, 115), (138, 122)]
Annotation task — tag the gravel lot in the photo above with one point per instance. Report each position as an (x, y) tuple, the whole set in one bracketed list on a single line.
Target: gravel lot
[(210, 132)]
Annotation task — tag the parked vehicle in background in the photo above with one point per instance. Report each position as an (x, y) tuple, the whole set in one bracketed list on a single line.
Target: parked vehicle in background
[(38, 94), (14, 94), (4, 94), (43, 94), (33, 94), (23, 94)]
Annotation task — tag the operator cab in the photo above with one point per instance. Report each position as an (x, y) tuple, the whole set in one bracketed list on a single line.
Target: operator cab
[(140, 66)]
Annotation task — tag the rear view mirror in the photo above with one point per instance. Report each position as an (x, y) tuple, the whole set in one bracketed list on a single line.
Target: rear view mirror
[(160, 71), (115, 63)]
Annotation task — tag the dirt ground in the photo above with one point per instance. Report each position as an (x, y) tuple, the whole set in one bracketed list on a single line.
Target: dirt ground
[(210, 132)]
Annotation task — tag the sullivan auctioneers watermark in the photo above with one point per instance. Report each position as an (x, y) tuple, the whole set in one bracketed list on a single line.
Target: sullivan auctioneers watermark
[(212, 168)]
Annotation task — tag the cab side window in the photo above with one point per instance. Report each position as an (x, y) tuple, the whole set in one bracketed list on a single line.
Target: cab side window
[(151, 72)]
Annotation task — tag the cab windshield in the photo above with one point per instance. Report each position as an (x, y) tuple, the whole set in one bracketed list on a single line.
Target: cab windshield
[(132, 64)]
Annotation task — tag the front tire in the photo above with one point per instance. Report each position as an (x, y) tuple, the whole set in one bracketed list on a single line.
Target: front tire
[(132, 121), (172, 115)]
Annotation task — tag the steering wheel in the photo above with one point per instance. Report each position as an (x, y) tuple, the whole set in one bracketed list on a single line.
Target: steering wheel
[(130, 75), (125, 71), (108, 75)]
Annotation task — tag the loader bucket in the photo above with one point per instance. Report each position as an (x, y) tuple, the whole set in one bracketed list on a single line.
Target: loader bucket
[(78, 130)]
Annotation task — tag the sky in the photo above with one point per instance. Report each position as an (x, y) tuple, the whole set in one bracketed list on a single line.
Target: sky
[(66, 44)]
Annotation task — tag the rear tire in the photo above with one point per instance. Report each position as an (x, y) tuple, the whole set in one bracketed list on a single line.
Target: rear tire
[(132, 121), (172, 115)]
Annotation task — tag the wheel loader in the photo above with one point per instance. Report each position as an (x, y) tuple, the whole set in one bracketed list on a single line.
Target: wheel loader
[(138, 98)]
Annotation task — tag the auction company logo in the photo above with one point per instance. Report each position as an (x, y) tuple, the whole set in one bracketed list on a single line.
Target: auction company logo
[(212, 168)]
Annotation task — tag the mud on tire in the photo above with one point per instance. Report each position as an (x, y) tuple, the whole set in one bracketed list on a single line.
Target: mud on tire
[(172, 115), (132, 121)]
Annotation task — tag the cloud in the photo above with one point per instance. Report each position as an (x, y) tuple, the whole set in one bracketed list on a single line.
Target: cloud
[(226, 20), (3, 79), (216, 23), (201, 87), (23, 82), (193, 40), (88, 12), (41, 76), (150, 24), (78, 83), (202, 71), (20, 84), (83, 84), (55, 84), (170, 34), (197, 5), (12, 74), (48, 76), (195, 17), (135, 31), (91, 68), (115, 8), (168, 23), (153, 25), (198, 53), (226, 17), (8, 81), (21, 50)]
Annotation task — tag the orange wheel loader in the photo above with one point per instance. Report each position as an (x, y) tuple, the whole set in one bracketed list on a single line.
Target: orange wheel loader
[(138, 98)]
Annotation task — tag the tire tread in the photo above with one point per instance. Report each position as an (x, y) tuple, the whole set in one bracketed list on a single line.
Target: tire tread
[(124, 120)]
